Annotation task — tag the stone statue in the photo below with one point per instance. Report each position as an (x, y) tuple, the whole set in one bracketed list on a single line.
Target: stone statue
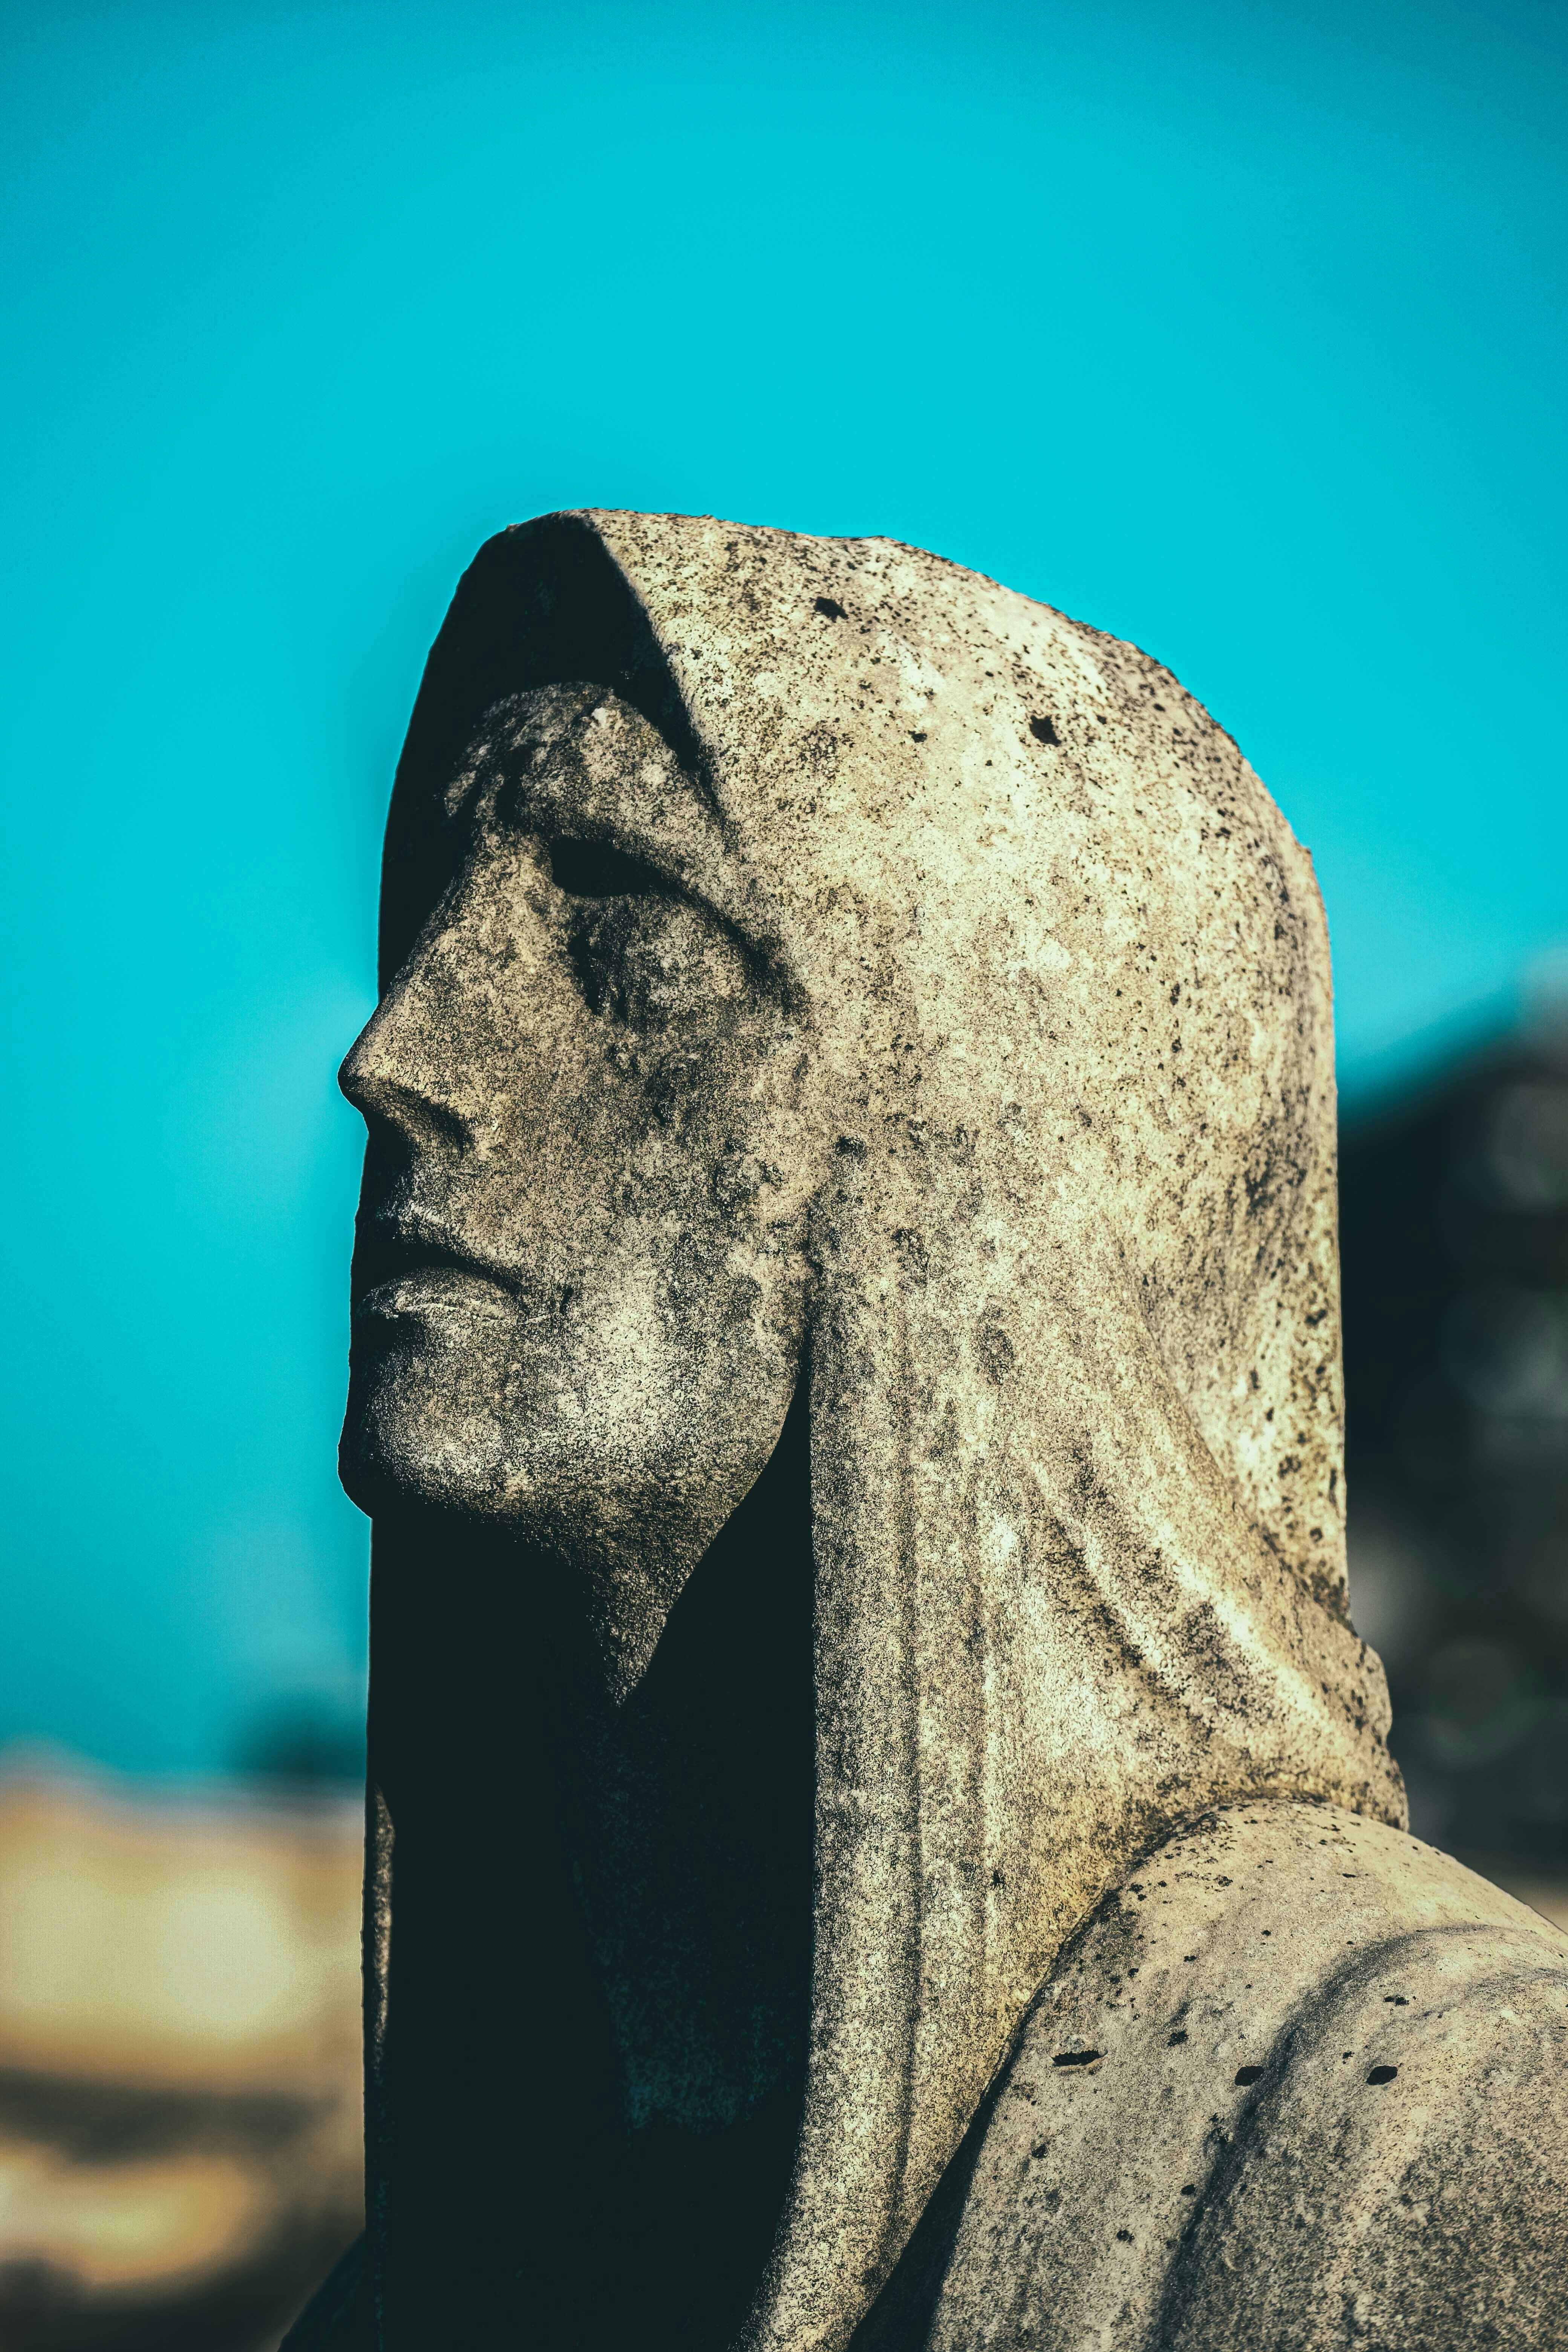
[(882, 1833)]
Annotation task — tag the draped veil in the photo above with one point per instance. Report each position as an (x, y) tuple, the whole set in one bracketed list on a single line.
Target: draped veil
[(1077, 1485)]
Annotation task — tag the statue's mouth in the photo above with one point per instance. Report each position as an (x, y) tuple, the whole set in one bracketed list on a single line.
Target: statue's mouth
[(397, 1264)]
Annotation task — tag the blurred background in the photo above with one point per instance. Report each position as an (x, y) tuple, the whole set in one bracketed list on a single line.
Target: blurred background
[(1236, 329)]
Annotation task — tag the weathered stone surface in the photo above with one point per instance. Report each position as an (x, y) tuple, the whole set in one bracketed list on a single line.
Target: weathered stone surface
[(815, 974), (1303, 2082)]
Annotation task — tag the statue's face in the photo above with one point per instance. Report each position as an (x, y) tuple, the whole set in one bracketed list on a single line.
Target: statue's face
[(579, 1279)]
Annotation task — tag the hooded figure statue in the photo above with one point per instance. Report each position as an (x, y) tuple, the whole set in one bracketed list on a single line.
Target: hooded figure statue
[(878, 1807)]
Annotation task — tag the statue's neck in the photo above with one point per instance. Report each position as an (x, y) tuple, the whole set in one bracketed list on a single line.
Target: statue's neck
[(596, 1979)]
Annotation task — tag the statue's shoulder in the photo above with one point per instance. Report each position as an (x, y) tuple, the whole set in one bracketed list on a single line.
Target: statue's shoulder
[(1302, 2081)]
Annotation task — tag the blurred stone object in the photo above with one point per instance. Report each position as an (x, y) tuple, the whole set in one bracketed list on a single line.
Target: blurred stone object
[(1454, 1241), (883, 1831), (180, 2143)]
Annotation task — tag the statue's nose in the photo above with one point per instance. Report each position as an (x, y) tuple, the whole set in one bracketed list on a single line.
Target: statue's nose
[(419, 1066), (395, 1089), (358, 1076), (363, 1076), (470, 1026)]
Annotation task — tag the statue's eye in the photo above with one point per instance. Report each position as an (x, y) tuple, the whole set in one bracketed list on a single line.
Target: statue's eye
[(592, 869), (643, 956)]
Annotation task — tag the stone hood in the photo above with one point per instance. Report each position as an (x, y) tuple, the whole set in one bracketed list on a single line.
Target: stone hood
[(1077, 1487)]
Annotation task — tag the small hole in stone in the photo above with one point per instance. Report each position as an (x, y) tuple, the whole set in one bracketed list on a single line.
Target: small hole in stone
[(1125, 2236), (1382, 2073), (1174, 2039), (1075, 2058), (829, 607), (1250, 2075), (1398, 2000), (1044, 730)]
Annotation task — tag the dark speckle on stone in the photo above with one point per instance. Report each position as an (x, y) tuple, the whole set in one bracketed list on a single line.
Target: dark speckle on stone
[(1044, 730), (829, 608), (916, 736), (1077, 2058), (1125, 2236), (1174, 2039), (1246, 2074), (1382, 2073)]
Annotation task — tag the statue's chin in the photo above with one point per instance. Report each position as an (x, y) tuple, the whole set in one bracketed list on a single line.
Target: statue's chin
[(614, 1440), (414, 1436), (625, 1502), (450, 1409), (626, 1549)]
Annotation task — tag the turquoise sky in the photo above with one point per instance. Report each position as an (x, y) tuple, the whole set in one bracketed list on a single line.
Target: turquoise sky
[(1239, 331)]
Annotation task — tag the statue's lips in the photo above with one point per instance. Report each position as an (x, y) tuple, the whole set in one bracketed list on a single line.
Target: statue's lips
[(394, 1273)]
